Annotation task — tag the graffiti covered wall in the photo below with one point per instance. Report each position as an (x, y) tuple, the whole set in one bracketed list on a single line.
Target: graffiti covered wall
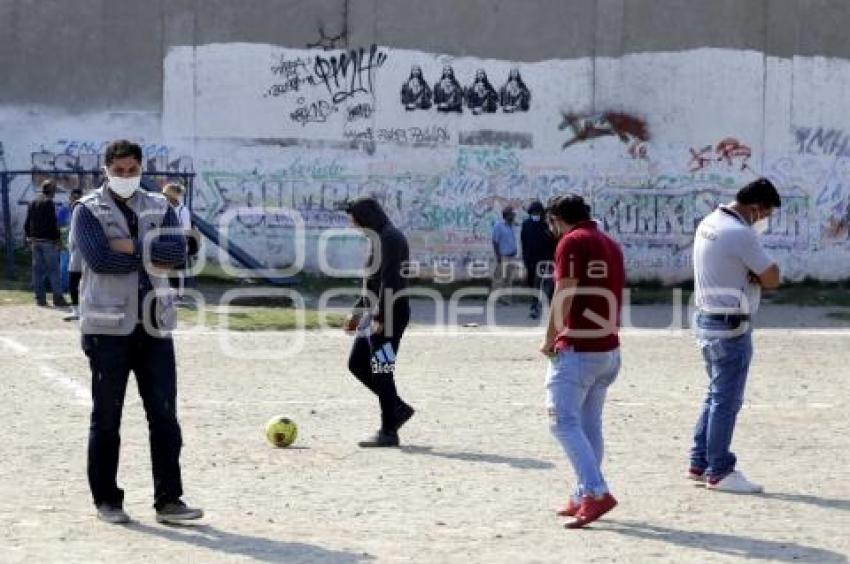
[(655, 141)]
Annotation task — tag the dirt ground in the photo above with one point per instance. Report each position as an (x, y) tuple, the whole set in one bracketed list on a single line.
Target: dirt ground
[(478, 477)]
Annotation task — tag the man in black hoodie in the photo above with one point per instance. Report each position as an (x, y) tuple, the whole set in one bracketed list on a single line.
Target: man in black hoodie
[(538, 249), (380, 317)]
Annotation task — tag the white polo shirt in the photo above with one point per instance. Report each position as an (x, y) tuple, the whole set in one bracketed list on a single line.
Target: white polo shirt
[(726, 250)]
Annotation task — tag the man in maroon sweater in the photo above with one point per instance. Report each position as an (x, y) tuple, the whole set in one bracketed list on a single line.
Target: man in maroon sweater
[(583, 346)]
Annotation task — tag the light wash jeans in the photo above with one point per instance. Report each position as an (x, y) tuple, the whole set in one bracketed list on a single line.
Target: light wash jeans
[(576, 386), (727, 350)]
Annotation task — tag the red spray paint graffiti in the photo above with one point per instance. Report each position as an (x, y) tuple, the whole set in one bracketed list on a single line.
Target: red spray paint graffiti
[(630, 130), (728, 150)]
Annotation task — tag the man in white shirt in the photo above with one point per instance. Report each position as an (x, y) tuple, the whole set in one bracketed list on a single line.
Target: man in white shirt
[(730, 268)]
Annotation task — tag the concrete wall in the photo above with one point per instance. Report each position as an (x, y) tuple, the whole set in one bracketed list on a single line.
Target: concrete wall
[(673, 103)]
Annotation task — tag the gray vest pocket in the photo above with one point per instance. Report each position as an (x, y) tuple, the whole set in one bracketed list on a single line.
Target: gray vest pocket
[(105, 313)]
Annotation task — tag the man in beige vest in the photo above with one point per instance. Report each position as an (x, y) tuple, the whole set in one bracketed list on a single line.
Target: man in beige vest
[(128, 239)]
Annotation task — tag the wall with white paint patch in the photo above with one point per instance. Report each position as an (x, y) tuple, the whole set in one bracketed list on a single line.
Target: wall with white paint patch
[(654, 139)]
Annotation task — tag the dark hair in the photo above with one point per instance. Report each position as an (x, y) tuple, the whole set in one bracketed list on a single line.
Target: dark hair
[(77, 192), (536, 207), (48, 186), (761, 192), (570, 208), (367, 212), (507, 211), (122, 148)]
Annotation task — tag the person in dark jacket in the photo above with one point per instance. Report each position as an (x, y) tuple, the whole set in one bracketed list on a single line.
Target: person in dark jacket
[(538, 251), (42, 233), (380, 317)]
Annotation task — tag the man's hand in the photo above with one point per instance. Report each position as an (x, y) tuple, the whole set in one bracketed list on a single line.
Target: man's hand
[(126, 246), (547, 349), (377, 327), (350, 324)]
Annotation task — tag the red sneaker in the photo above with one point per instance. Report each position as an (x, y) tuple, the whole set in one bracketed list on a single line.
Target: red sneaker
[(570, 509), (592, 509), (697, 475)]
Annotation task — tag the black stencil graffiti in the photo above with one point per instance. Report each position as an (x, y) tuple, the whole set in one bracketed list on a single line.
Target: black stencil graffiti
[(481, 97), (349, 73), (415, 92), (515, 95), (448, 94)]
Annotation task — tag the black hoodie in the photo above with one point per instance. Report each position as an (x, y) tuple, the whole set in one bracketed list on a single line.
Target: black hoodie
[(394, 254)]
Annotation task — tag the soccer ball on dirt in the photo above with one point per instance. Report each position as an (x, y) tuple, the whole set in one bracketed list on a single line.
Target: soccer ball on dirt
[(281, 431)]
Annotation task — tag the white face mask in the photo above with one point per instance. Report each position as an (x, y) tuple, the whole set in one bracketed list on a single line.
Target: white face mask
[(124, 187), (760, 227), (535, 218)]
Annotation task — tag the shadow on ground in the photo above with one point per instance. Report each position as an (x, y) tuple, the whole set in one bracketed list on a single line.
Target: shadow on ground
[(723, 544), (513, 462), (256, 548)]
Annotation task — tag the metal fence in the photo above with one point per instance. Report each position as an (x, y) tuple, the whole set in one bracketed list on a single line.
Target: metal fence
[(68, 180)]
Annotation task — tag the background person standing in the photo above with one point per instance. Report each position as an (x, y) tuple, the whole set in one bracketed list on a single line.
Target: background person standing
[(75, 260), (538, 250), (505, 250), (42, 232)]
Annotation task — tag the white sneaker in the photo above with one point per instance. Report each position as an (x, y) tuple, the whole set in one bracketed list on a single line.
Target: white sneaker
[(735, 482)]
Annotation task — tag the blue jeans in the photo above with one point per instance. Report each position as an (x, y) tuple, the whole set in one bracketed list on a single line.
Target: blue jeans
[(727, 350), (576, 385), (45, 264)]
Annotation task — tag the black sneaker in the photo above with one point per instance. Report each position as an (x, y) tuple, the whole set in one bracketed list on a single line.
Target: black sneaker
[(381, 439), (60, 303), (402, 414), (177, 512), (112, 514)]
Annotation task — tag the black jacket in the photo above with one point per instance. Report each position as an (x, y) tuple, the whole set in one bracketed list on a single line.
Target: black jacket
[(538, 243), (41, 220), (387, 278)]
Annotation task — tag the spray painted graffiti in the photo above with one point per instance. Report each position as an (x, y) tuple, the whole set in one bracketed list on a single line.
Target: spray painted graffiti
[(822, 141), (505, 139), (728, 150), (322, 83), (350, 73), (72, 156), (630, 130), (328, 42)]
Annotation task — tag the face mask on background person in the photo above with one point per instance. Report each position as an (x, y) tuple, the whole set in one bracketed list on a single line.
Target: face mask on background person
[(535, 218), (124, 187)]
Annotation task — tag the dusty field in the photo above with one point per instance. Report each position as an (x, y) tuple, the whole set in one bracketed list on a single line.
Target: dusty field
[(479, 474)]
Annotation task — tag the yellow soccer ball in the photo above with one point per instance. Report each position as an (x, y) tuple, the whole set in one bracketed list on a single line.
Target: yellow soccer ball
[(281, 431)]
